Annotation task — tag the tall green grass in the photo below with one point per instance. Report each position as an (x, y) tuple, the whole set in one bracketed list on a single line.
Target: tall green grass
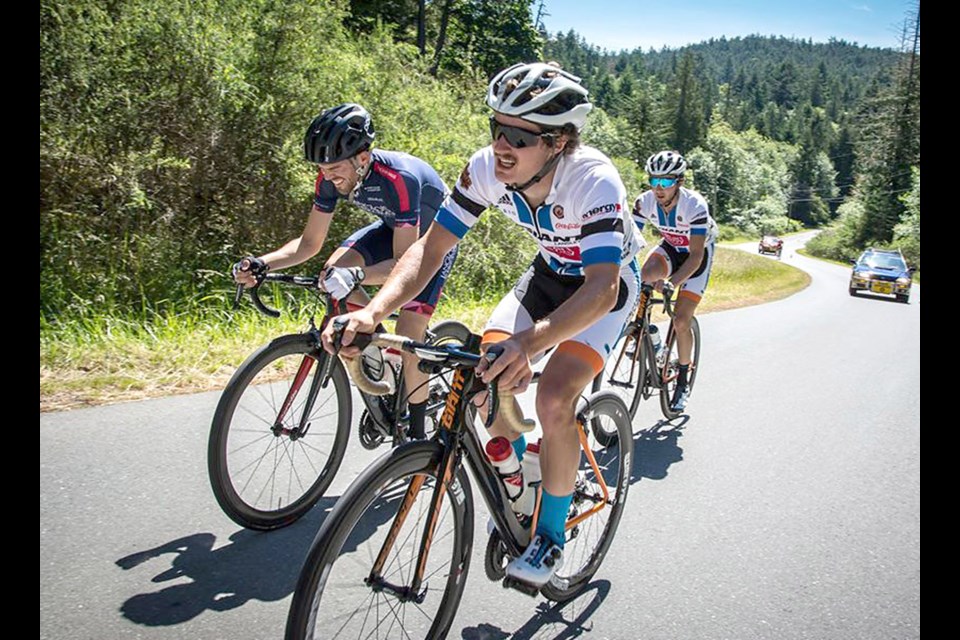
[(97, 357)]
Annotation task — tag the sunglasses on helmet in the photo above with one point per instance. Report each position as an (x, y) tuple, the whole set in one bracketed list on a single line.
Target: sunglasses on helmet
[(519, 138)]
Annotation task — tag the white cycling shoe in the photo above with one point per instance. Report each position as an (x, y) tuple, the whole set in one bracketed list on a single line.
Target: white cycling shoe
[(538, 563)]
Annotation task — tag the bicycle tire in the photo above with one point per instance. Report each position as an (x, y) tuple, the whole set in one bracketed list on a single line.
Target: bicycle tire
[(340, 558), (263, 480), (668, 371), (588, 542), (629, 380)]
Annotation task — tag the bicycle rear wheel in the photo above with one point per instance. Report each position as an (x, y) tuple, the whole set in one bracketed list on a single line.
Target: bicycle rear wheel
[(264, 471), (671, 367), (589, 540), (335, 596)]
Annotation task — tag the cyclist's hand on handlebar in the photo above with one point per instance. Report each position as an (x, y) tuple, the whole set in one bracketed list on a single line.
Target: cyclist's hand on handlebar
[(340, 281), (348, 326), (245, 271), (512, 365)]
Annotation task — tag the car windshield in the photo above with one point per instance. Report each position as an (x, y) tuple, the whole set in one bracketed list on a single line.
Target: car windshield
[(770, 239), (883, 261)]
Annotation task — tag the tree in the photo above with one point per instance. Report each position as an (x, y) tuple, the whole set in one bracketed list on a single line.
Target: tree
[(891, 143), (686, 105)]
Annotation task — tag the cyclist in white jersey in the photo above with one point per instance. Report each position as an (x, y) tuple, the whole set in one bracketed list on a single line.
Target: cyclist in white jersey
[(685, 255), (577, 296)]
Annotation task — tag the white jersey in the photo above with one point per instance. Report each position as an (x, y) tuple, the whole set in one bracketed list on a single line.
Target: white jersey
[(583, 221), (691, 217)]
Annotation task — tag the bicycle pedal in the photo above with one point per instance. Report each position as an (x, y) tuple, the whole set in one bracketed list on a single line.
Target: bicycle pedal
[(523, 587)]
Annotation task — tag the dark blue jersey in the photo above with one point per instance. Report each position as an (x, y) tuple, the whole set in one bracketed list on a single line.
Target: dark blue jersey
[(400, 189)]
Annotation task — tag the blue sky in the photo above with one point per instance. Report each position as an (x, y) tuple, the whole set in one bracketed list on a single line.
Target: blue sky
[(627, 24)]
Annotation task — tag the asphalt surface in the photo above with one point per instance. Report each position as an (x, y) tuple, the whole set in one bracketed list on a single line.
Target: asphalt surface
[(785, 505)]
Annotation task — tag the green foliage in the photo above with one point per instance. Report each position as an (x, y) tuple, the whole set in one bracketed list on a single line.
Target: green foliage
[(840, 241), (906, 235), (744, 176), (170, 137)]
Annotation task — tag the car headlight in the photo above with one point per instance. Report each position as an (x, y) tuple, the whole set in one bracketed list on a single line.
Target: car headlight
[(903, 280), (861, 276)]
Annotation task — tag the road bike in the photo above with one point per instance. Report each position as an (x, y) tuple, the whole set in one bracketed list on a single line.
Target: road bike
[(392, 558), (637, 368), (281, 426)]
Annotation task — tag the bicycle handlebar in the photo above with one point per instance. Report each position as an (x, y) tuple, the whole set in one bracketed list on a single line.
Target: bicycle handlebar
[(308, 282), (439, 355)]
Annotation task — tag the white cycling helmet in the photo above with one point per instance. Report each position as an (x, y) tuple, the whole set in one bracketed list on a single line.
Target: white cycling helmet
[(666, 163), (540, 93)]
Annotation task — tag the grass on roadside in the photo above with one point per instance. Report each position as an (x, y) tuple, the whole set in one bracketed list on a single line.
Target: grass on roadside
[(102, 359)]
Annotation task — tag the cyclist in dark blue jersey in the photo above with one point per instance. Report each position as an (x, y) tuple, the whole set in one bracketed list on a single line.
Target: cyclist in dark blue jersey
[(403, 191)]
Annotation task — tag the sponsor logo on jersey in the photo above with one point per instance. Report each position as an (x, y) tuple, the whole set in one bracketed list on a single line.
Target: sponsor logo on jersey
[(505, 200), (381, 211), (465, 180), (604, 208), (568, 225), (387, 171), (558, 211), (567, 253), (676, 239)]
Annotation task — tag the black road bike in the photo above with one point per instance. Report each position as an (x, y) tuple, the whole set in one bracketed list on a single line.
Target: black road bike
[(280, 429), (391, 559), (636, 369)]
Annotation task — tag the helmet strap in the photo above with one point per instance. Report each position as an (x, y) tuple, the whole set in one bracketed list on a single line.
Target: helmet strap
[(547, 168)]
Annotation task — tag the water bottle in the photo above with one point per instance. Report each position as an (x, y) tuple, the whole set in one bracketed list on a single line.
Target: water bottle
[(531, 479), (654, 334), (373, 364), (504, 460)]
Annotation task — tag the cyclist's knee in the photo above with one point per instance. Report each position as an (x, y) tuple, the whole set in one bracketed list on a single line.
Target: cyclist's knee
[(555, 409)]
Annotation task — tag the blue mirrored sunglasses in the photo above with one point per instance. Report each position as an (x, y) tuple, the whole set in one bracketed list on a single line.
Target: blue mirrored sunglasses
[(664, 183)]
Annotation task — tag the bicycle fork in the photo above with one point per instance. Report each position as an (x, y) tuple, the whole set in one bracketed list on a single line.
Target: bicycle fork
[(413, 593), (319, 379)]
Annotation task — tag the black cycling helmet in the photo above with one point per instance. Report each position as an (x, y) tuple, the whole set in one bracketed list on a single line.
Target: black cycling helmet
[(338, 133)]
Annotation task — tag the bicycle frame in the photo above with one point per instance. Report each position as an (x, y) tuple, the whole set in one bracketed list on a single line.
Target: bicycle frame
[(321, 378), (458, 436)]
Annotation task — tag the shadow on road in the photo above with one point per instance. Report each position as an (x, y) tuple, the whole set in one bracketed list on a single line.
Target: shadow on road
[(656, 448), (254, 566), (558, 621)]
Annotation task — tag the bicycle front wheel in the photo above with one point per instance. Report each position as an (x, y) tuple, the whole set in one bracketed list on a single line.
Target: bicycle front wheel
[(268, 463), (357, 578), (594, 513), (670, 368), (626, 372)]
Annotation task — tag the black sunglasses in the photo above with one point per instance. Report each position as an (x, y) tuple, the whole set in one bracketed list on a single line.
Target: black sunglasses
[(519, 138)]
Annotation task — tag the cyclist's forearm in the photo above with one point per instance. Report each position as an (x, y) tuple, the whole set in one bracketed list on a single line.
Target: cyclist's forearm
[(292, 253), (593, 300), (378, 273), (692, 263)]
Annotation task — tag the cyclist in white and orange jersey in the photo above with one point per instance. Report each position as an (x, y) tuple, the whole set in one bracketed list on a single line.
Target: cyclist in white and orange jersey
[(577, 295), (684, 256)]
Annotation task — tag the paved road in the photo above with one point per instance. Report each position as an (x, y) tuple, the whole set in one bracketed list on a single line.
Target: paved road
[(786, 506)]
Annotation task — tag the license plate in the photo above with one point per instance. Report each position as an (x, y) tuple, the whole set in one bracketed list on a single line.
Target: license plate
[(881, 287)]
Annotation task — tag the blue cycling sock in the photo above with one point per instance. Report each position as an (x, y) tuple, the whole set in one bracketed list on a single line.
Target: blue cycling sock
[(553, 516), (520, 446)]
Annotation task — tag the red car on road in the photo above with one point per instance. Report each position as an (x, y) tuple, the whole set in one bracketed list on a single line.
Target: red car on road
[(771, 244)]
